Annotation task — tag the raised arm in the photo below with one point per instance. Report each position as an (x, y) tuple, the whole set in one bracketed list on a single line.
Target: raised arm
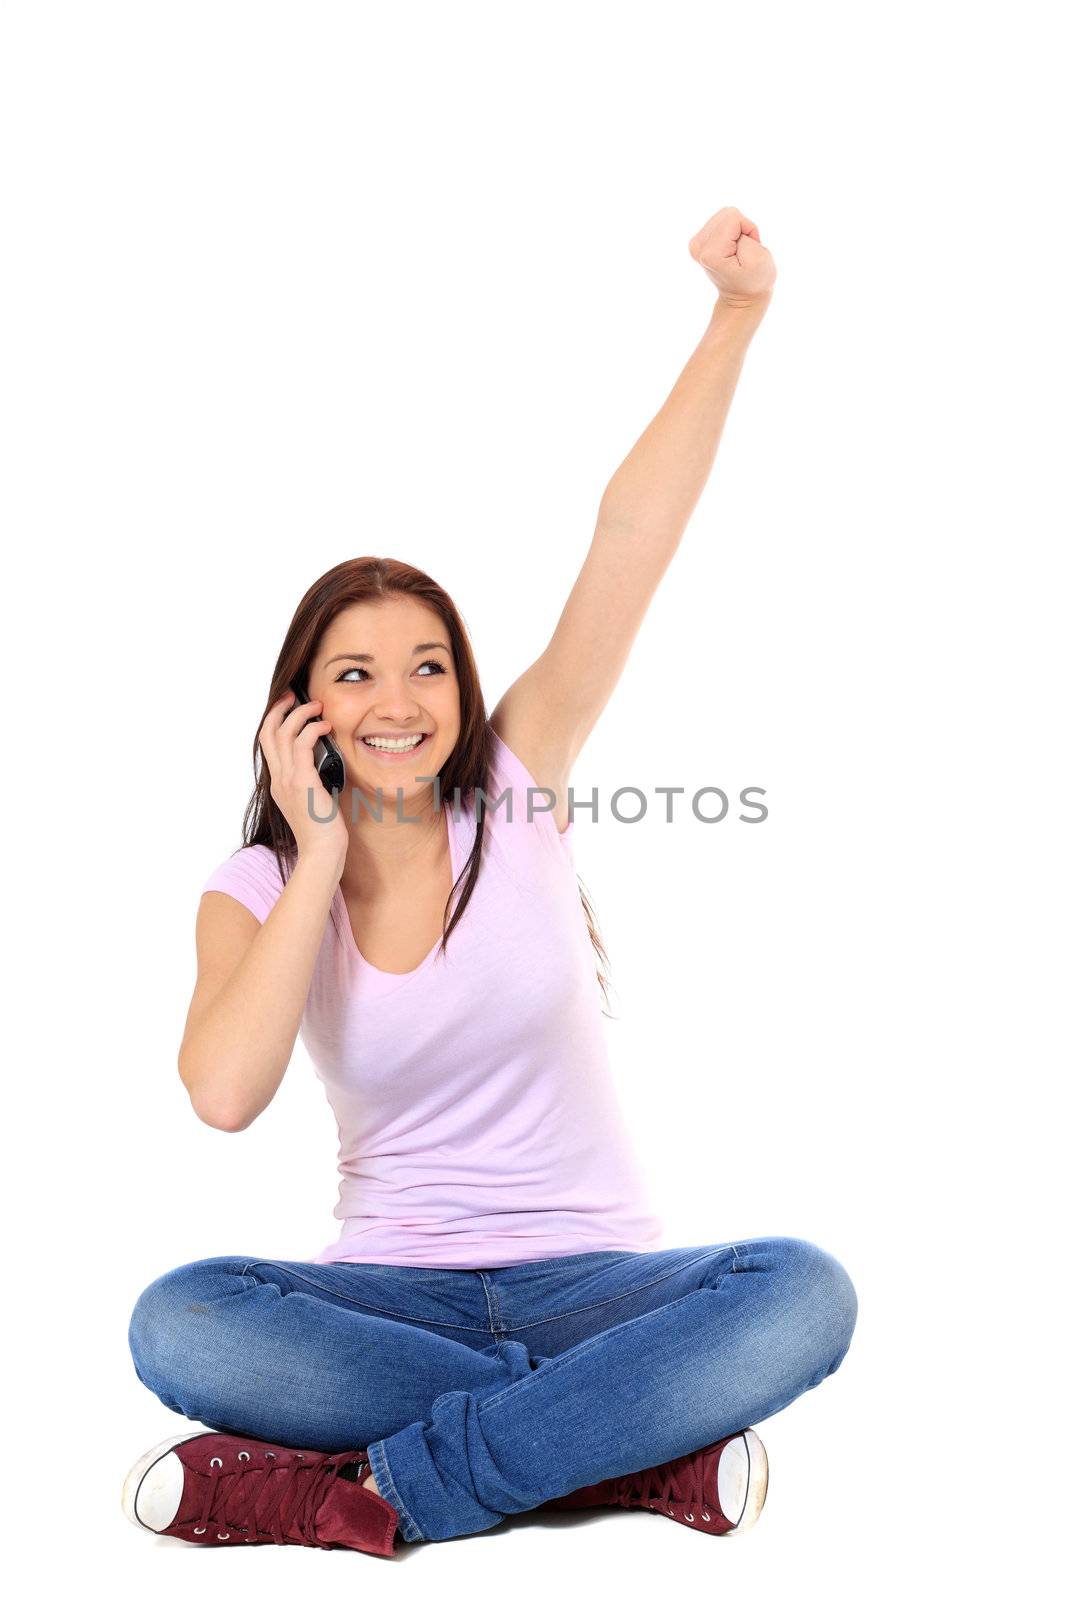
[(548, 713)]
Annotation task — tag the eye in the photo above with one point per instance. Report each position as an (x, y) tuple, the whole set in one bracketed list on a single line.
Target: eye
[(344, 676)]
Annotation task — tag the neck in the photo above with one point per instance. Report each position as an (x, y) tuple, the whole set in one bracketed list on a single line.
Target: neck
[(396, 849)]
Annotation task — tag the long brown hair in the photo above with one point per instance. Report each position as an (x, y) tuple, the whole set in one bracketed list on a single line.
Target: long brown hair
[(375, 578)]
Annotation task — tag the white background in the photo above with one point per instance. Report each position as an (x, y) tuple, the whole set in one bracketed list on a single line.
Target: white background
[(287, 284)]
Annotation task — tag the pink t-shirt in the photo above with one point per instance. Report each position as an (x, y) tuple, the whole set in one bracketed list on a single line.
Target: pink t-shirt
[(477, 1119)]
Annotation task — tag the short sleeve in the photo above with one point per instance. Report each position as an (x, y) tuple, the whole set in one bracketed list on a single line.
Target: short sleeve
[(251, 876), (509, 772)]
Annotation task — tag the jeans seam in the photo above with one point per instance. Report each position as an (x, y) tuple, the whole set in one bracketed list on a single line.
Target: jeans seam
[(380, 1465), (434, 1322), (492, 1306), (520, 1327)]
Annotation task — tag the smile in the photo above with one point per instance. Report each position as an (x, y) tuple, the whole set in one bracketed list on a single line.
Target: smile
[(395, 749)]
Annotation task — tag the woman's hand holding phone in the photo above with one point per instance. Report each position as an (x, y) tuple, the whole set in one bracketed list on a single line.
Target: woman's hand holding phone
[(287, 739)]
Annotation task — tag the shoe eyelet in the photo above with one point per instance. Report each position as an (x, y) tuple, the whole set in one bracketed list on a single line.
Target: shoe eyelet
[(215, 1460), (243, 1455), (199, 1530), (272, 1455), (688, 1518), (704, 1517), (222, 1536)]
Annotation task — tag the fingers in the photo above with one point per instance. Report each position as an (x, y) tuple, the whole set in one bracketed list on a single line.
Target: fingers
[(312, 730), (288, 723), (727, 223), (270, 725)]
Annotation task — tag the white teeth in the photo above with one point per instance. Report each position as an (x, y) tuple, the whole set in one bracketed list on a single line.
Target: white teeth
[(395, 744)]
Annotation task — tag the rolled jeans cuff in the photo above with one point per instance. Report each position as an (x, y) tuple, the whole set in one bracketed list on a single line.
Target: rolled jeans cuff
[(379, 1466)]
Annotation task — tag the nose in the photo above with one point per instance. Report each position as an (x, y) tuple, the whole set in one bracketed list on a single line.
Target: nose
[(397, 719), (398, 712)]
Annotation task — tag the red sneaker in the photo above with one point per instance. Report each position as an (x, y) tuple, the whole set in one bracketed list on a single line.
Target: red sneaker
[(717, 1489), (225, 1489)]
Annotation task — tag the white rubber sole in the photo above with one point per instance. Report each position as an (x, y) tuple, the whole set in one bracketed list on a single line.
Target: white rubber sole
[(742, 1483), (152, 1492)]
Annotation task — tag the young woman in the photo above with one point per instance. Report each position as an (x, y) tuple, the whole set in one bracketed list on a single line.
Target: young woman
[(494, 1329)]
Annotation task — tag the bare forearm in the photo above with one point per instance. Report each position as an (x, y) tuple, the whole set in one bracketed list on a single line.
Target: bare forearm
[(656, 488)]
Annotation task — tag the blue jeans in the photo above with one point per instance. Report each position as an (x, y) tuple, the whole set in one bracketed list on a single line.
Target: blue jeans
[(482, 1393)]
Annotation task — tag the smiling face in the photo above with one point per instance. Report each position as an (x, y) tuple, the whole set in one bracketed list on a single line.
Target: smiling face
[(385, 667)]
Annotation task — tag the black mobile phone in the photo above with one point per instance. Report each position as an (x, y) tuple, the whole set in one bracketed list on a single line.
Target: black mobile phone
[(329, 762)]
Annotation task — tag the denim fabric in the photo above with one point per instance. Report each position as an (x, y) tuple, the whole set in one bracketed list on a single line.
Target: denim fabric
[(481, 1393)]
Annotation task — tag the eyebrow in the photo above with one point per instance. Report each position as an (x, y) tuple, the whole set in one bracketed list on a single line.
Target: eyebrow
[(434, 644)]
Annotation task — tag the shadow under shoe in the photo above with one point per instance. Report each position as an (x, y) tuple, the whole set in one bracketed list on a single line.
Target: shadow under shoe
[(222, 1489), (719, 1488)]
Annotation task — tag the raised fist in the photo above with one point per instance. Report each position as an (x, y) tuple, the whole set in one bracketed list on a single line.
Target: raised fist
[(728, 248)]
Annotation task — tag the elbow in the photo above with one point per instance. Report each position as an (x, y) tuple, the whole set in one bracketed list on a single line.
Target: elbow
[(218, 1117), (211, 1113), (220, 1120)]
